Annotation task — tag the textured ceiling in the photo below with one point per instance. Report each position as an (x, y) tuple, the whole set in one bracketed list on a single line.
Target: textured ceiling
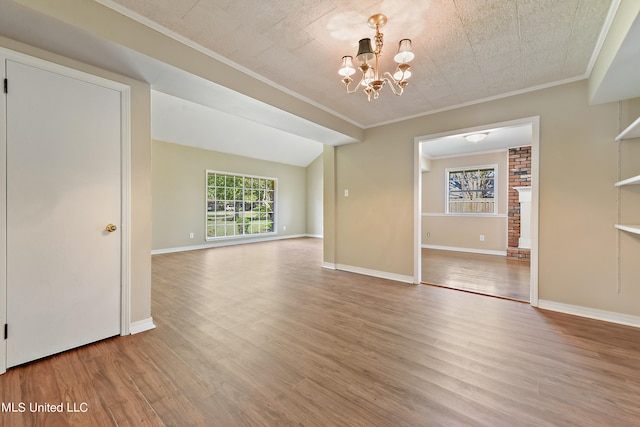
[(466, 50)]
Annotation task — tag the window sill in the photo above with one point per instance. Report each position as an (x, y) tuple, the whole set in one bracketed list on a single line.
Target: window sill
[(467, 215), (241, 237)]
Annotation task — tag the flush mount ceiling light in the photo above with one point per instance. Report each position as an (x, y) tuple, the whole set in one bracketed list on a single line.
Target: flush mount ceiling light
[(372, 79), (475, 137)]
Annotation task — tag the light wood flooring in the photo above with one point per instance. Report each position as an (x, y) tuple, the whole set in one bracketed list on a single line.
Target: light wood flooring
[(484, 274), (261, 335)]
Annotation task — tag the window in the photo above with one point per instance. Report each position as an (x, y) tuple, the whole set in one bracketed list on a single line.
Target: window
[(471, 190), (239, 205)]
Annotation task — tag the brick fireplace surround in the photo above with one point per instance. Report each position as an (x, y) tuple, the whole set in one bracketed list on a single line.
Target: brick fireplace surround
[(519, 176)]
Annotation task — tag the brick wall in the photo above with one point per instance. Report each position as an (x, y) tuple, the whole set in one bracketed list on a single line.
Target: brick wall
[(519, 176)]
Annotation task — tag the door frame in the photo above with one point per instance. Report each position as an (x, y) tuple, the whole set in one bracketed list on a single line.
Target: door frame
[(535, 194), (125, 183)]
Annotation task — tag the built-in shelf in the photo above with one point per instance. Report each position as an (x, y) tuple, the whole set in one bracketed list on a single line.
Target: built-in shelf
[(633, 131), (631, 181), (635, 229)]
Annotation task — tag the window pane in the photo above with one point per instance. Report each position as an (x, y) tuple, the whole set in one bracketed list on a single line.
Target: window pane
[(239, 205), (471, 190)]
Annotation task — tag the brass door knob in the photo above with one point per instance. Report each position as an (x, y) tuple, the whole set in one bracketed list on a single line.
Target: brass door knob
[(111, 228)]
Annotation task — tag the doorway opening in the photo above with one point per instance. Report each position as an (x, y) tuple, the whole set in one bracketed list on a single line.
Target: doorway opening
[(476, 209)]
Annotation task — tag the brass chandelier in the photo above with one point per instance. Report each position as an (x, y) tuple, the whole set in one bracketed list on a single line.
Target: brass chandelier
[(372, 78)]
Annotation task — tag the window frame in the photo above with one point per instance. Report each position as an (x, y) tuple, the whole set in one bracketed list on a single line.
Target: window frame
[(447, 197), (244, 202)]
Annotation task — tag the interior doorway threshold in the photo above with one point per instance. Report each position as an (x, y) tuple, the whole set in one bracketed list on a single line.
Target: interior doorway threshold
[(469, 291)]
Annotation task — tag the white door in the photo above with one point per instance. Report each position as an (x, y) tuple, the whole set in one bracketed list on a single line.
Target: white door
[(63, 187)]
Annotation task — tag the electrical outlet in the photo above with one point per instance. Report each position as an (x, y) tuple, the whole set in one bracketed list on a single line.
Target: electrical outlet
[(482, 237), (191, 235), (284, 228), (346, 192), (428, 234)]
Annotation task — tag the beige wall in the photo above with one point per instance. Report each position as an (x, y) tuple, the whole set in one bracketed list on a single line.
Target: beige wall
[(140, 175), (463, 231), (374, 225), (577, 246), (314, 197), (179, 205), (329, 205)]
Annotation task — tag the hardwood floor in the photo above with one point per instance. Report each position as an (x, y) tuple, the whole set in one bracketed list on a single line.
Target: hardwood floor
[(260, 335), (484, 274)]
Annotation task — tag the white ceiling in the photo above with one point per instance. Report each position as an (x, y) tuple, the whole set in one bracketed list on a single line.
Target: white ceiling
[(497, 139), (466, 51), (189, 123)]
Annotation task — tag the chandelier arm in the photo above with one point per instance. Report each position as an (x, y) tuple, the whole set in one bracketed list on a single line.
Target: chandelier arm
[(393, 84), (347, 85), (352, 91)]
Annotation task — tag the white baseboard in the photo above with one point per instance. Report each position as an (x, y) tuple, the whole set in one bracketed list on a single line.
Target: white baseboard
[(224, 243), (141, 326), (329, 265), (467, 250), (375, 273), (591, 313)]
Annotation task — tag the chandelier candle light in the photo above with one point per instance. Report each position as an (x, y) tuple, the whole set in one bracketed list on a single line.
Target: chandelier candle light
[(372, 80)]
